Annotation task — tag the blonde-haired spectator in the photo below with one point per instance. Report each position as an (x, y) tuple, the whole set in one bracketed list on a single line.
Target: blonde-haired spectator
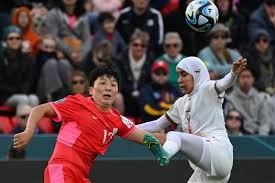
[(135, 68)]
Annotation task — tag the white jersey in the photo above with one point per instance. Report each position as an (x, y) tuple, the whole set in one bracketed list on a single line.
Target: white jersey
[(200, 113)]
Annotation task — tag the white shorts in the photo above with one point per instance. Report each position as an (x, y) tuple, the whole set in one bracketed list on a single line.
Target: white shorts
[(199, 176), (221, 153)]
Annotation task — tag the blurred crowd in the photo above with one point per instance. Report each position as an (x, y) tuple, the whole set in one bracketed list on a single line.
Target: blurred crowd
[(48, 48)]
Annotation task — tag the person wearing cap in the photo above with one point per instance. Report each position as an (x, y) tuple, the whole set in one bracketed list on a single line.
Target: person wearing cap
[(217, 56), (204, 140), (158, 96), (16, 71), (261, 60), (263, 18)]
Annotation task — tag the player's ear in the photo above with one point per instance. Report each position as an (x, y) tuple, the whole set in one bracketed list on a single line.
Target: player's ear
[(91, 90)]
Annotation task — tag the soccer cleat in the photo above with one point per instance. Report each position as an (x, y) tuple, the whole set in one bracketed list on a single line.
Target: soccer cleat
[(155, 147)]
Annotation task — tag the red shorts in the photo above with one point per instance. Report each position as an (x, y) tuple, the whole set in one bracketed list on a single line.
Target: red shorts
[(64, 173)]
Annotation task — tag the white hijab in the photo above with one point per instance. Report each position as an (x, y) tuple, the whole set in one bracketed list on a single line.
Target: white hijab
[(195, 67)]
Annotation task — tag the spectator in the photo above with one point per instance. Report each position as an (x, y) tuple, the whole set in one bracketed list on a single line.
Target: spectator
[(217, 56), (22, 114), (235, 22), (247, 100), (20, 121), (53, 72), (264, 18), (101, 56), (234, 123), (175, 22), (68, 23), (16, 71), (80, 83), (246, 7), (107, 32), (141, 16), (39, 13), (261, 59), (22, 18), (172, 47), (135, 67), (157, 97)]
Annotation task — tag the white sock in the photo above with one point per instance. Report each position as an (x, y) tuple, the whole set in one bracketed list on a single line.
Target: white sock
[(171, 147)]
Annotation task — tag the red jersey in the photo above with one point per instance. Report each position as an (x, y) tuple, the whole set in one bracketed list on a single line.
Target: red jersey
[(86, 130)]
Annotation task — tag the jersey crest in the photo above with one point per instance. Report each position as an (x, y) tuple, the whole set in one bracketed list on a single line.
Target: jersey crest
[(127, 122)]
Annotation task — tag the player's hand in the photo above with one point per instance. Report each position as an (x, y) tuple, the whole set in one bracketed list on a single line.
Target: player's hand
[(20, 140), (239, 65)]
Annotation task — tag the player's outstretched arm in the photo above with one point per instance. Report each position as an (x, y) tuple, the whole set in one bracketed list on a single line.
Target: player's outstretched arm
[(37, 113), (152, 143), (230, 78), (155, 126)]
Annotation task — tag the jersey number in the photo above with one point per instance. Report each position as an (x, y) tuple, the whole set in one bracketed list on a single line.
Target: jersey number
[(108, 136)]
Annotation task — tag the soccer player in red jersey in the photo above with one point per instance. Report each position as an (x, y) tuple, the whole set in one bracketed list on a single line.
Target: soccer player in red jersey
[(89, 125)]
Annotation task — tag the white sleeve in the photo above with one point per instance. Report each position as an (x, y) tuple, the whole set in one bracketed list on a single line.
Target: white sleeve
[(154, 126), (226, 82), (173, 114)]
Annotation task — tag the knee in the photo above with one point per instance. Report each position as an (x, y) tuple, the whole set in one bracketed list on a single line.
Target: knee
[(224, 169), (174, 136)]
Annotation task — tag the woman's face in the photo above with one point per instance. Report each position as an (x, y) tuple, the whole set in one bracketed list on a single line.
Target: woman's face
[(185, 81), (245, 80), (109, 26), (233, 121), (23, 20), (172, 47), (79, 85), (138, 48), (218, 40), (262, 44), (48, 45)]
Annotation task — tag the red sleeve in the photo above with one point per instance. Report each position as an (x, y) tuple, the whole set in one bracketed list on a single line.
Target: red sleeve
[(126, 128), (64, 108)]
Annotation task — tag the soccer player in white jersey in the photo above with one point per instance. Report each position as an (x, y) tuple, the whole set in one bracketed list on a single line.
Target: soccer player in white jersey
[(204, 140)]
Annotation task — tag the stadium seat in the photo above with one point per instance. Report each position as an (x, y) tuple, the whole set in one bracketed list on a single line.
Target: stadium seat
[(7, 110), (45, 125), (5, 124)]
